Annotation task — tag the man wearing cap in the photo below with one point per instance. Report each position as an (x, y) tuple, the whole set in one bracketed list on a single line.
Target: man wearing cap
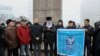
[(11, 38), (49, 35)]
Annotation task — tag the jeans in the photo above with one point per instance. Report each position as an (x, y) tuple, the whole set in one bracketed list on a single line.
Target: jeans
[(24, 50), (37, 49)]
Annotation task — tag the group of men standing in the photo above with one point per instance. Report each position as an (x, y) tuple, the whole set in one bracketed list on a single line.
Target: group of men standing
[(17, 36)]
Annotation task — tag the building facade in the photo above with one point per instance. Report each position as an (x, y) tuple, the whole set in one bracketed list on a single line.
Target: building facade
[(44, 8)]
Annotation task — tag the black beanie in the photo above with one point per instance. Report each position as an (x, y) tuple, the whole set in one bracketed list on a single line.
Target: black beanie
[(48, 18), (8, 21), (60, 21)]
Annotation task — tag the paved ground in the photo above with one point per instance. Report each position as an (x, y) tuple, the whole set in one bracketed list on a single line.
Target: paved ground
[(42, 54), (32, 54)]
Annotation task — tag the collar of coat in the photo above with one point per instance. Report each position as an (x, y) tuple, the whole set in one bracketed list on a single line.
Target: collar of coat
[(11, 28)]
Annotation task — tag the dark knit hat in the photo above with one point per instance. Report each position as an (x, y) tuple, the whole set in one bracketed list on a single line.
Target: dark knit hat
[(70, 22), (8, 21), (60, 20), (48, 18)]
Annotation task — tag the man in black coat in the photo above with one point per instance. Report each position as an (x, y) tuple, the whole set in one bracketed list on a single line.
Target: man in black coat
[(2, 39), (89, 30), (97, 38), (58, 26), (49, 35), (71, 25), (36, 31)]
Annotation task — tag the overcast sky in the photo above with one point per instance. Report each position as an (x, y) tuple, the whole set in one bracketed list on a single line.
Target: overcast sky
[(78, 10), (20, 7)]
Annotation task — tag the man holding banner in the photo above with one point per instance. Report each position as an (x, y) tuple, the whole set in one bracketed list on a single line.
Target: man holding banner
[(89, 30)]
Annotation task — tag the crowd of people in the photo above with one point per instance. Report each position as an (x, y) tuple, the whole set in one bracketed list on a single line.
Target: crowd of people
[(19, 37)]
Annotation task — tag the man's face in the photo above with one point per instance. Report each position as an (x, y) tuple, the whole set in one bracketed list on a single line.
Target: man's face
[(49, 21), (86, 23), (23, 23), (60, 23), (70, 24), (18, 25), (28, 25), (36, 20), (11, 24)]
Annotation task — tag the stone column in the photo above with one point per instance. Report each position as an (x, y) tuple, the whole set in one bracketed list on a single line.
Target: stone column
[(44, 8)]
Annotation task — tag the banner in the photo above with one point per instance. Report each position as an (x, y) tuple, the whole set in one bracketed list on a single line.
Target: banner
[(70, 42)]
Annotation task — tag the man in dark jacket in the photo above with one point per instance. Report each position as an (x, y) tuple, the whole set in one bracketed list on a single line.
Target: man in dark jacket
[(71, 25), (97, 38), (2, 39), (36, 31), (49, 35), (89, 30), (58, 26)]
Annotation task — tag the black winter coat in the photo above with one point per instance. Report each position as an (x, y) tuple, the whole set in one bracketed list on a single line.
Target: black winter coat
[(36, 31), (49, 35), (89, 33), (97, 34), (1, 36)]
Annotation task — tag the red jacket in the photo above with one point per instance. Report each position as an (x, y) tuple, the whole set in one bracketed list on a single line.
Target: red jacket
[(23, 35)]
